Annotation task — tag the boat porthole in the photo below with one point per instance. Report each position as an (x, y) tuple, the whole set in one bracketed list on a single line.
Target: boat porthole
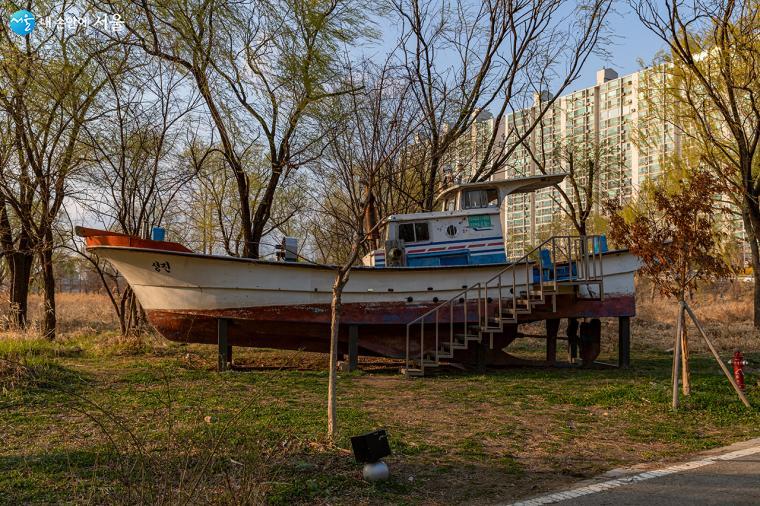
[(490, 300), (435, 299), (451, 230), (461, 300), (409, 299)]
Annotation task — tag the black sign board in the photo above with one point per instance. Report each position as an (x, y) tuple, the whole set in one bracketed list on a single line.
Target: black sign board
[(371, 447)]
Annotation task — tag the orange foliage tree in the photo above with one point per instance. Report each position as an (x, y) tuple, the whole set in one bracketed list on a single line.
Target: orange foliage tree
[(672, 228)]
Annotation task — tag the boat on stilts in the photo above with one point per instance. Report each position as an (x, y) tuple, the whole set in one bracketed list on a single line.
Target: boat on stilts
[(441, 286)]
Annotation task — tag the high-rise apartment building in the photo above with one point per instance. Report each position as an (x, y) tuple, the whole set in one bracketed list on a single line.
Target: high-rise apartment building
[(606, 124), (611, 124), (469, 150)]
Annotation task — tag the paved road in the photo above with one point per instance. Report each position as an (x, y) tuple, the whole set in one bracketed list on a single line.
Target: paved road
[(729, 475)]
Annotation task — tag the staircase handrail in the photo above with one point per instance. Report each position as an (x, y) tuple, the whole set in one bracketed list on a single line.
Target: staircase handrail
[(482, 287), (521, 261)]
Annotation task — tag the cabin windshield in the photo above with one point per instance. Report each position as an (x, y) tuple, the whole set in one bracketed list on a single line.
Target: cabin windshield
[(476, 199), (413, 232)]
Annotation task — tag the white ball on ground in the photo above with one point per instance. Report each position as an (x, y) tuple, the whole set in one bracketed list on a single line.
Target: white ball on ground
[(376, 471)]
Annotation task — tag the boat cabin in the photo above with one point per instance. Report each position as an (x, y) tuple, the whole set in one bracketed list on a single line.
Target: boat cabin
[(468, 228)]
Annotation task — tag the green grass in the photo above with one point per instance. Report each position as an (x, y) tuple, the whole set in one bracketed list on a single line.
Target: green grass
[(81, 424)]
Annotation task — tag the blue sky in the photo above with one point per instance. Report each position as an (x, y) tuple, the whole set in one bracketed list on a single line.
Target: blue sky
[(629, 43)]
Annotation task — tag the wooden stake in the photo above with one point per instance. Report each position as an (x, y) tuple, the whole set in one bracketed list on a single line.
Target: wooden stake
[(715, 354), (677, 355), (685, 376)]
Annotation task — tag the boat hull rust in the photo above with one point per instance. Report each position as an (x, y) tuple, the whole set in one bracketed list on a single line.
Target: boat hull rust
[(382, 328)]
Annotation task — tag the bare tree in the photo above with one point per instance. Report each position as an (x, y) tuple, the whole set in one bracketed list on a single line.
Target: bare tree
[(368, 131), (580, 195), (17, 245), (275, 60), (138, 169), (712, 95), (463, 57), (49, 87)]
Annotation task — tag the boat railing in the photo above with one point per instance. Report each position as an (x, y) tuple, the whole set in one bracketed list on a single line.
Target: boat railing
[(558, 261)]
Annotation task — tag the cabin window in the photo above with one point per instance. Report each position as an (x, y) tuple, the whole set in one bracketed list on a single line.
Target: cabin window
[(475, 199), (413, 232)]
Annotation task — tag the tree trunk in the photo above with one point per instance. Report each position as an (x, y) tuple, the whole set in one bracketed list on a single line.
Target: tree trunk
[(264, 210), (250, 243), (20, 266), (750, 219), (582, 228), (756, 293), (435, 163), (685, 373), (48, 282), (124, 313), (335, 307)]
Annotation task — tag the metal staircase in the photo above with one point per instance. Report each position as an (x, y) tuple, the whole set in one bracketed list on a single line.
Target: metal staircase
[(514, 292)]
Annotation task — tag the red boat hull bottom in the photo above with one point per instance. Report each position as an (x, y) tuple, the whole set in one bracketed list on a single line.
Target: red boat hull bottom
[(382, 327)]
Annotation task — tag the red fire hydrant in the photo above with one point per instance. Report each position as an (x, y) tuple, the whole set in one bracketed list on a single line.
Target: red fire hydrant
[(738, 362)]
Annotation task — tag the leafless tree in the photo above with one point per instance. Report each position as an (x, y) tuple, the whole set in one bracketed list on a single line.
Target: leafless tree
[(368, 131), (463, 57), (143, 155), (17, 245), (275, 60), (579, 196), (712, 68), (49, 87)]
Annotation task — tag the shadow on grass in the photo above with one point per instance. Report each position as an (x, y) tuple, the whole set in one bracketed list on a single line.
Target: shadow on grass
[(39, 478), (103, 476), (33, 380)]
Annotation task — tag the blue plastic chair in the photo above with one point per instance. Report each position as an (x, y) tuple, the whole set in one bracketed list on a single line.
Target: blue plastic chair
[(600, 244), (547, 267)]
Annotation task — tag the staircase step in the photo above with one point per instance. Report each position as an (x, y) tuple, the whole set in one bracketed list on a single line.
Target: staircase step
[(533, 294), (469, 337), (533, 302), (455, 346), (430, 363), (510, 313), (412, 371)]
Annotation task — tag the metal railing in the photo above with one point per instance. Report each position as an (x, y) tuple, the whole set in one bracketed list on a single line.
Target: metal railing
[(573, 260)]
